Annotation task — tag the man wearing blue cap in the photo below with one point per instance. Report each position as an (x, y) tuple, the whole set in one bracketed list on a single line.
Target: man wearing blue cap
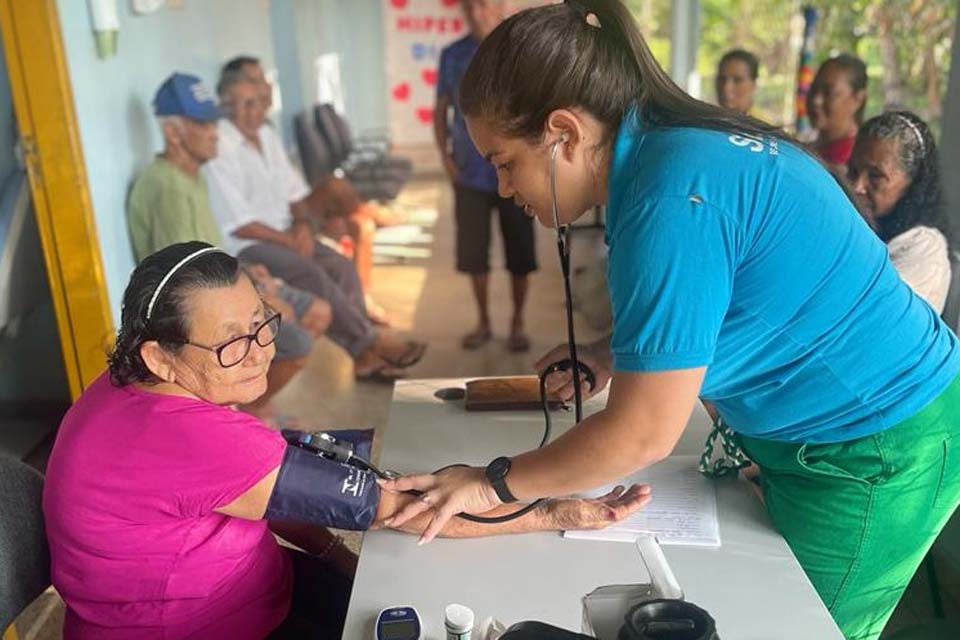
[(169, 204), (169, 201)]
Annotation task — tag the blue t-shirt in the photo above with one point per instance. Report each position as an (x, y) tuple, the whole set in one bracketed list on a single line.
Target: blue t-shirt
[(475, 171), (745, 256)]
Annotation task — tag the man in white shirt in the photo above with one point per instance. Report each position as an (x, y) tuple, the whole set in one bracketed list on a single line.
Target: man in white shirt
[(260, 202), (346, 211)]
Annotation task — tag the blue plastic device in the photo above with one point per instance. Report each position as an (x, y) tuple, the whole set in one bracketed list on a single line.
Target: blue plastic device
[(398, 623)]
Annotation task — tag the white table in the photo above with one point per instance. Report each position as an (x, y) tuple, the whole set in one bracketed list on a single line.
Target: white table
[(752, 584)]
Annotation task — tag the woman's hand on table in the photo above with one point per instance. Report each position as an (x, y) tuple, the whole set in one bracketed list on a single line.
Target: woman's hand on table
[(596, 513)]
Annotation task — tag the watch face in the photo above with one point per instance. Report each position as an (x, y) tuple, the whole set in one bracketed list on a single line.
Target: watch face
[(499, 467)]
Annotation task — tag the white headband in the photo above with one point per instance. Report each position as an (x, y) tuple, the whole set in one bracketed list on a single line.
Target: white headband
[(176, 267), (916, 130)]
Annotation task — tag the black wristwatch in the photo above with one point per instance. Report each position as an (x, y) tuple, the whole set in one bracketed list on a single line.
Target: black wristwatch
[(496, 473)]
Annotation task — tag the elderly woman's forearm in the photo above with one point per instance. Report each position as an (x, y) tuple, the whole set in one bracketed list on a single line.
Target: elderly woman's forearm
[(537, 520)]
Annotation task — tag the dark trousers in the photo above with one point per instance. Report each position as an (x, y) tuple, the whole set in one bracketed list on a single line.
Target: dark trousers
[(320, 598), (327, 275), (473, 209)]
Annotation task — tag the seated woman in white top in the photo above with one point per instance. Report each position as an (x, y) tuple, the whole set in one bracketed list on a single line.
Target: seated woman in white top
[(894, 172)]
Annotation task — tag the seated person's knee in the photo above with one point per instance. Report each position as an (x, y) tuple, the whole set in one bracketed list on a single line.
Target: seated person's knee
[(317, 318)]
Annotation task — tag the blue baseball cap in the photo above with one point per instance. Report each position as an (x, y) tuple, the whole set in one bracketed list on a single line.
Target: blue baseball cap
[(184, 95)]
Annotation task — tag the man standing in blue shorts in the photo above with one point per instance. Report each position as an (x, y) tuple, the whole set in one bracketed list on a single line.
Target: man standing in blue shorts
[(475, 187)]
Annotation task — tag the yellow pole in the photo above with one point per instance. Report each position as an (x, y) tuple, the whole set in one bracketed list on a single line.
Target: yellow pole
[(43, 101)]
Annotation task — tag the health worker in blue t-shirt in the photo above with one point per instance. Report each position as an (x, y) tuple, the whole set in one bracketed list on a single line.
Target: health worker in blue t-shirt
[(739, 273)]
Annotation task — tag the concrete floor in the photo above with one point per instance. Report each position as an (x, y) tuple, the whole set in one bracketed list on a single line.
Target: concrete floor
[(429, 301)]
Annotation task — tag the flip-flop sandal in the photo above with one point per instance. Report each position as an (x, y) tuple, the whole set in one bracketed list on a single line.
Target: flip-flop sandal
[(476, 339), (411, 355), (381, 374), (518, 342)]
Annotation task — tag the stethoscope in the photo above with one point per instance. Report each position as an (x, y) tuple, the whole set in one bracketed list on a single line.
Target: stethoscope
[(327, 446)]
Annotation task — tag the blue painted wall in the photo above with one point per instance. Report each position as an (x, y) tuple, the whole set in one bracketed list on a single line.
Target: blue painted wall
[(354, 30), (113, 96)]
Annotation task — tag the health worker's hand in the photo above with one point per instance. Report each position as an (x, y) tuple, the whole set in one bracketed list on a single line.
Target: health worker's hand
[(447, 493)]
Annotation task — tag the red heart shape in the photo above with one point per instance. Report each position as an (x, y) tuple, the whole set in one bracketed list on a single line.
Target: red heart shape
[(399, 4), (449, 3), (401, 91), (425, 114), (429, 76)]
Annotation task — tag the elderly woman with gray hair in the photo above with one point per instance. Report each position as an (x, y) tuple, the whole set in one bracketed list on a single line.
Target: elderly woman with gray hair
[(161, 501), (894, 173)]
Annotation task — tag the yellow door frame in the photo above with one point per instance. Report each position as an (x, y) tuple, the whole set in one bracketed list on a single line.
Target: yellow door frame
[(50, 140)]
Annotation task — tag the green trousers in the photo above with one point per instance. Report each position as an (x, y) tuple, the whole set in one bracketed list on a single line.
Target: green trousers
[(861, 515)]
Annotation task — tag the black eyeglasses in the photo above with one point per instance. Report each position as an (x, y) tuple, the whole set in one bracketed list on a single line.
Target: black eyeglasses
[(232, 352)]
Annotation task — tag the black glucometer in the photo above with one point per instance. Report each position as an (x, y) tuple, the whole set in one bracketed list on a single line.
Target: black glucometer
[(397, 623)]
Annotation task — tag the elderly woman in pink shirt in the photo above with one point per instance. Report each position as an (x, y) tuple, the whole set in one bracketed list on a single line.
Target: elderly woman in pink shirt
[(157, 489)]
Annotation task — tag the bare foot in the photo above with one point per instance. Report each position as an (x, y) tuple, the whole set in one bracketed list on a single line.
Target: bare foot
[(370, 367), (477, 338), (518, 342)]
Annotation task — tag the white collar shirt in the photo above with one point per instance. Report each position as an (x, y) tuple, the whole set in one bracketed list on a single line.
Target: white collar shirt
[(248, 185)]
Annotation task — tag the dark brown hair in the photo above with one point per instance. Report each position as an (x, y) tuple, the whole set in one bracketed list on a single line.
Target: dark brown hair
[(744, 56), (168, 324), (856, 72), (556, 57)]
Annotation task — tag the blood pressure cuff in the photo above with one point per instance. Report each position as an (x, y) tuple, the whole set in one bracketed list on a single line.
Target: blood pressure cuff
[(361, 439), (313, 489)]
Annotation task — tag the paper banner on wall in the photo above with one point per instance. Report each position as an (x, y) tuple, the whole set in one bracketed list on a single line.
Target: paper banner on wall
[(415, 31)]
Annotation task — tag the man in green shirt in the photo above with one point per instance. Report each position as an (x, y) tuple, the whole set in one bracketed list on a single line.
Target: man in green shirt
[(169, 204)]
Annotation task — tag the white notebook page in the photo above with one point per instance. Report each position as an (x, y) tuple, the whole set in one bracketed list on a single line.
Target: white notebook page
[(683, 509)]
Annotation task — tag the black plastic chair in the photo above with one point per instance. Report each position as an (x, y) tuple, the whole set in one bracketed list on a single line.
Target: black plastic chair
[(319, 162), (366, 158), (315, 154), (24, 556)]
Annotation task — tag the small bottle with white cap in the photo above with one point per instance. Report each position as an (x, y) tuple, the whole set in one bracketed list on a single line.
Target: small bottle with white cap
[(458, 620)]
